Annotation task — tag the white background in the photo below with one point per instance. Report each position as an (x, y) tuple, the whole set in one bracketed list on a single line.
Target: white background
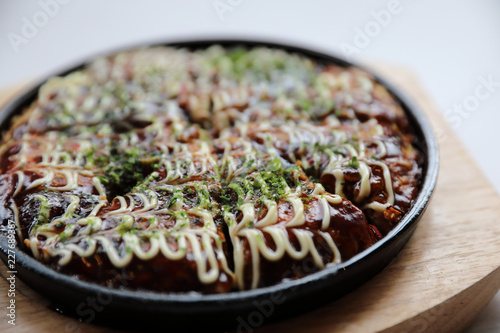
[(449, 44)]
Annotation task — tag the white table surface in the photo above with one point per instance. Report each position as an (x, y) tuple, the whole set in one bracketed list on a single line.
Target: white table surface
[(453, 46)]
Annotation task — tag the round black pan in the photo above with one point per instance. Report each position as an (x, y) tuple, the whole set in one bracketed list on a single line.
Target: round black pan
[(243, 310)]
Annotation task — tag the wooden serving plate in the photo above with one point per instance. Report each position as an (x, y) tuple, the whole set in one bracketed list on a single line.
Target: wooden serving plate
[(440, 281)]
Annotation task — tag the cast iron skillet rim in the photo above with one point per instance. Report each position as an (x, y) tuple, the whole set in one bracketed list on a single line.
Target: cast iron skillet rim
[(419, 123)]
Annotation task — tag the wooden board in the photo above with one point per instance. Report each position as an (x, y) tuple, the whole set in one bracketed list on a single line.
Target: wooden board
[(441, 280)]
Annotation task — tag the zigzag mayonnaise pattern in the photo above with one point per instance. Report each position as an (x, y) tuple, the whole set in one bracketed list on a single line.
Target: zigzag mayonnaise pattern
[(216, 137)]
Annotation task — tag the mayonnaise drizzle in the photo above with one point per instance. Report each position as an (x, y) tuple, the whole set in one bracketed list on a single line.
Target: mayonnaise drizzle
[(326, 144)]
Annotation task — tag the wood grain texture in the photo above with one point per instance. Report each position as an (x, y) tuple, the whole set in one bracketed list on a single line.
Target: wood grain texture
[(441, 280)]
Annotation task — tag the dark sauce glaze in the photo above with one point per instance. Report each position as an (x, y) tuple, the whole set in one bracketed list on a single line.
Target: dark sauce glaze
[(207, 171)]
